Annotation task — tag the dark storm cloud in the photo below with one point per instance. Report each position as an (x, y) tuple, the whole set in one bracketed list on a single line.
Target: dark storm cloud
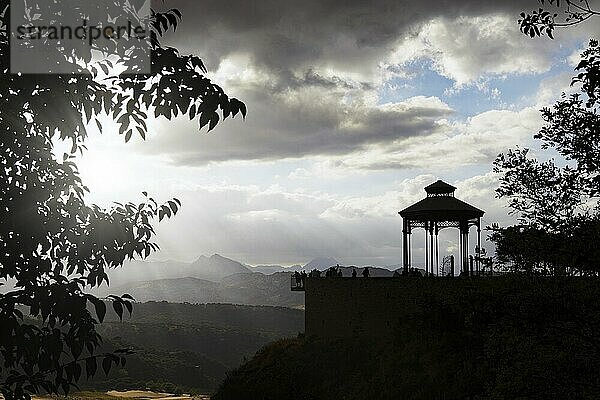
[(278, 127), (309, 73), (298, 34), (313, 78)]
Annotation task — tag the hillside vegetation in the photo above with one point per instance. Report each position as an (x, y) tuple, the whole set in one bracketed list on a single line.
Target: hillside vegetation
[(244, 288), (189, 347)]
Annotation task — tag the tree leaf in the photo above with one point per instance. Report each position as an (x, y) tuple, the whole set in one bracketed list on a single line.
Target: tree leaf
[(118, 307), (106, 364)]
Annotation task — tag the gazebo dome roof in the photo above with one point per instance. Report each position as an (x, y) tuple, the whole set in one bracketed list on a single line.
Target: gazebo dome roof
[(439, 187), (441, 205)]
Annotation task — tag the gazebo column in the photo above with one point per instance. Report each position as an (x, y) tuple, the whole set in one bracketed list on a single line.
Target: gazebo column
[(467, 250), (426, 248), (431, 248), (405, 246), (460, 249), (478, 246), (437, 250), (409, 246), (464, 247)]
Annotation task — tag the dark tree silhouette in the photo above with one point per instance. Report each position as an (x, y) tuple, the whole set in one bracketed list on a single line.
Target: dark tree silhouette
[(53, 244), (557, 203), (564, 13), (531, 250), (547, 195)]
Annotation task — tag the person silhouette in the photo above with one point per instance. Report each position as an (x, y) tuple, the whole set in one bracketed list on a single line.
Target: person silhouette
[(297, 278), (354, 273), (365, 272)]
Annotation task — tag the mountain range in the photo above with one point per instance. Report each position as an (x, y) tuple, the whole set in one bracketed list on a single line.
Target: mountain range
[(247, 288), (217, 279), (213, 268)]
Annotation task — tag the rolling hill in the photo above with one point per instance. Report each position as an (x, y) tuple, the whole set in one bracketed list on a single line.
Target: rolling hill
[(245, 288), (187, 345)]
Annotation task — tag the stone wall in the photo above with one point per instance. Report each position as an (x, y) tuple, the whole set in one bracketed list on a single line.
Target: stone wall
[(370, 307)]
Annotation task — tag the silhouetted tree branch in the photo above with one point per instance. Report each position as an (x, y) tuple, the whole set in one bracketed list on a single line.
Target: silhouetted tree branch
[(557, 204), (53, 244), (566, 13)]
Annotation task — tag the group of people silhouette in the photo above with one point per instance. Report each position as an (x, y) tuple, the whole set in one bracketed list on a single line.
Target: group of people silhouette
[(331, 272), (336, 271), (300, 278)]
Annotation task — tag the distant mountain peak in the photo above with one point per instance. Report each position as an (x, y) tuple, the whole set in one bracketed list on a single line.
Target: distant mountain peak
[(217, 267), (214, 257), (200, 258), (321, 263)]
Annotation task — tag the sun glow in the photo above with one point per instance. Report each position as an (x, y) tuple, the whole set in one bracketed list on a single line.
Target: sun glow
[(109, 167)]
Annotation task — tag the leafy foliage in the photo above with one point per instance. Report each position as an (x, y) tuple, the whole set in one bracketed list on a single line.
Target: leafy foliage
[(537, 251), (53, 244), (557, 204), (543, 194), (542, 22)]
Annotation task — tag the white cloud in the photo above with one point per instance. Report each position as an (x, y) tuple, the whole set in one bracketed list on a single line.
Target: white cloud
[(237, 70), (307, 121), (312, 74), (313, 80), (267, 225), (550, 89), (467, 49), (384, 205), (480, 190), (478, 140)]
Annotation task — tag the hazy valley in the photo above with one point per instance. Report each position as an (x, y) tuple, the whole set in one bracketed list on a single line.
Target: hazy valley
[(217, 279)]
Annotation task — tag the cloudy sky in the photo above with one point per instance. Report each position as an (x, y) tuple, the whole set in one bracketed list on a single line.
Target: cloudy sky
[(353, 107)]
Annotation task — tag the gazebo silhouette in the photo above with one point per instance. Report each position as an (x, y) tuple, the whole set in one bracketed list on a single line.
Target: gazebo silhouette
[(439, 210)]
